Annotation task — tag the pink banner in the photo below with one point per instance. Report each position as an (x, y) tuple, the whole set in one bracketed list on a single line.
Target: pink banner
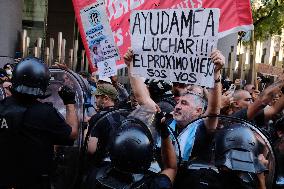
[(235, 16)]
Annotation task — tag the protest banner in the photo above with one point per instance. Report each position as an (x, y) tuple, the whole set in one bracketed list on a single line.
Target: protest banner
[(235, 16), (97, 33), (175, 44), (107, 68)]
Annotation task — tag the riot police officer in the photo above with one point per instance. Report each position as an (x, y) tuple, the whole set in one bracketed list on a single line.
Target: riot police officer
[(236, 156), (29, 128), (131, 154)]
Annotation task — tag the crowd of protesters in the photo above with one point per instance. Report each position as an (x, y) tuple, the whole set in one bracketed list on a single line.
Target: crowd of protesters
[(177, 106), (5, 78)]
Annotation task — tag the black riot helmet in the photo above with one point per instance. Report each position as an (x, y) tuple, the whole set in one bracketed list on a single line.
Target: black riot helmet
[(236, 148), (132, 147), (31, 77), (159, 89), (167, 104)]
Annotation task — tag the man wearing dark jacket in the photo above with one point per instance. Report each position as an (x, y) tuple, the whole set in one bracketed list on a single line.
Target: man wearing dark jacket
[(29, 129)]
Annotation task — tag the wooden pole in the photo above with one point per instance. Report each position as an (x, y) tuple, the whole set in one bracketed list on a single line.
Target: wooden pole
[(231, 64), (36, 52), (252, 59), (59, 47), (63, 51), (24, 43), (28, 46), (70, 59), (39, 46), (47, 60), (75, 62), (241, 66), (51, 50)]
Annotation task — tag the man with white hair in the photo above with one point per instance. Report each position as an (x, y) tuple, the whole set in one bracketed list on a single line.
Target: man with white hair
[(190, 106), (194, 138)]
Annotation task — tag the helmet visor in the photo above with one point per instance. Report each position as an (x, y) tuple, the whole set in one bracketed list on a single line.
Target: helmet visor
[(238, 160)]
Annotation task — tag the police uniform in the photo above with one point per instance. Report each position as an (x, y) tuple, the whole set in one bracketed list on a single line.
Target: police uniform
[(101, 125), (103, 131), (130, 159), (197, 147), (30, 129), (110, 178), (27, 134)]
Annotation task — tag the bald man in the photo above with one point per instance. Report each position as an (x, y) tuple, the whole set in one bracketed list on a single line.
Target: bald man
[(259, 112), (241, 99)]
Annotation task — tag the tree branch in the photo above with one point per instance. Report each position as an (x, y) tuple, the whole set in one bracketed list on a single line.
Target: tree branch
[(267, 16)]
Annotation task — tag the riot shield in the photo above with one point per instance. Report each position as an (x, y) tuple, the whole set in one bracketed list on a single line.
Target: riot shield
[(123, 115), (66, 158), (198, 165), (2, 93), (83, 169)]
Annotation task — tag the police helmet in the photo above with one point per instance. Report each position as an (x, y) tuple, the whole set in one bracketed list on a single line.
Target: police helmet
[(236, 148), (159, 88), (132, 147), (167, 104), (31, 77)]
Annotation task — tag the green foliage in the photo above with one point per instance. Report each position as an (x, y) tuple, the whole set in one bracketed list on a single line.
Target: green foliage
[(268, 18)]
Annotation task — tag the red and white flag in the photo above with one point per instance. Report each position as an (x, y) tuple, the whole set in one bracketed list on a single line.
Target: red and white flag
[(235, 16)]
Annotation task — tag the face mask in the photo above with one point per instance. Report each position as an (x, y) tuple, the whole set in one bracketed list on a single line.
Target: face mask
[(9, 72)]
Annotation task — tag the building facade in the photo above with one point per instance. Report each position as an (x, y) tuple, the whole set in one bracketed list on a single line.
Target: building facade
[(40, 19)]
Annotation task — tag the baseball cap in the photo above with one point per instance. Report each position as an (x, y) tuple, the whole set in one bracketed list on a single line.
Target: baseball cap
[(105, 79), (108, 90)]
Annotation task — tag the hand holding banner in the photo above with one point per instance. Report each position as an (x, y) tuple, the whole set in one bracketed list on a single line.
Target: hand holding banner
[(175, 44), (235, 16)]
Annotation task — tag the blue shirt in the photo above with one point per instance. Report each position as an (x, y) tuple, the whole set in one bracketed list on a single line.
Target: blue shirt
[(186, 138)]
